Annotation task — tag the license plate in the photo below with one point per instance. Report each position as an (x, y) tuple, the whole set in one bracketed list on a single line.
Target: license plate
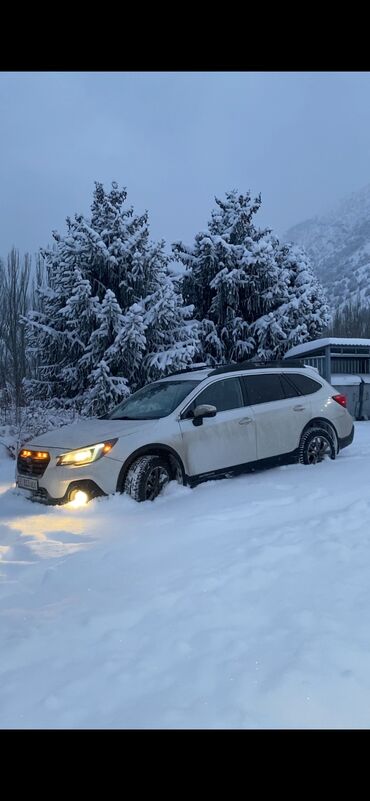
[(27, 483)]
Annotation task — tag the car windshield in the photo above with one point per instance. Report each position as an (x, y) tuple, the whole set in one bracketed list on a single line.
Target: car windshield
[(154, 401)]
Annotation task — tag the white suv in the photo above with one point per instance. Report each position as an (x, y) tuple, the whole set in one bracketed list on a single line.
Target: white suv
[(190, 426)]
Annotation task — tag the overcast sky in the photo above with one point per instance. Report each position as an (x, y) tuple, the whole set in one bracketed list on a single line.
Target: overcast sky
[(175, 140)]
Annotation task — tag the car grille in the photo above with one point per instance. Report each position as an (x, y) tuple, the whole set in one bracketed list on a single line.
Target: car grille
[(31, 465), (39, 496)]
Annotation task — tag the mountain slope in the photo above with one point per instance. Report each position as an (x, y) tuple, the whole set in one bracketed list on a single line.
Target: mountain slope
[(339, 246)]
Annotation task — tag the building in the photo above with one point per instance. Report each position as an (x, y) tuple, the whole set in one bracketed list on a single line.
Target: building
[(344, 363)]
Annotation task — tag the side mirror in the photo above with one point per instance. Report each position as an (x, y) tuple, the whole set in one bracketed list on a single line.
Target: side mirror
[(204, 410)]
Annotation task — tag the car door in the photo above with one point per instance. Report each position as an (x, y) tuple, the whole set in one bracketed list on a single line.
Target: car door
[(223, 441), (279, 411)]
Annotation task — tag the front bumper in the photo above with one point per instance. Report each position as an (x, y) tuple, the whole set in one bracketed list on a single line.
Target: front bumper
[(41, 495), (56, 483)]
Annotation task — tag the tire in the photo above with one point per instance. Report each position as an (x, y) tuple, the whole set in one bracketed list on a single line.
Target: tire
[(147, 477), (316, 444)]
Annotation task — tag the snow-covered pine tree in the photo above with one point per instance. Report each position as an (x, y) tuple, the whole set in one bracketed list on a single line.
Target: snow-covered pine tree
[(59, 330), (110, 305), (304, 312), (103, 390), (157, 334), (119, 242), (81, 315), (109, 321), (171, 333), (47, 334), (231, 277), (125, 354), (238, 279)]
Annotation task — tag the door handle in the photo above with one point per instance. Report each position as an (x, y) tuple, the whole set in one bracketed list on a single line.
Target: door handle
[(298, 408), (245, 421)]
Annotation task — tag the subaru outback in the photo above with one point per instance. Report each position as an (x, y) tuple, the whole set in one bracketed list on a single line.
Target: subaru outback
[(190, 426)]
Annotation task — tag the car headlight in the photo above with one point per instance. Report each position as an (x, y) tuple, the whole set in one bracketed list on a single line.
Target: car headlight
[(86, 455)]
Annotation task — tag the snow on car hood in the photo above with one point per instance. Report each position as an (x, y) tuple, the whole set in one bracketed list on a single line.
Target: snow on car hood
[(88, 432)]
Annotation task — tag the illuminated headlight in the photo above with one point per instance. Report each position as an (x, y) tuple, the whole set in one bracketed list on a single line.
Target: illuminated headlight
[(86, 455)]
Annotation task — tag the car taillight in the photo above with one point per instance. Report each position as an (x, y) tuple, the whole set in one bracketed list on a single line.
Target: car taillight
[(341, 399)]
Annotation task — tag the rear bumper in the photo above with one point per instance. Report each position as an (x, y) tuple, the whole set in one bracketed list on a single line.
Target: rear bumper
[(344, 441)]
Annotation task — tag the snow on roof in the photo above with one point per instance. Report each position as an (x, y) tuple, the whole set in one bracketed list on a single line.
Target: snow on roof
[(346, 379), (315, 344), (191, 375)]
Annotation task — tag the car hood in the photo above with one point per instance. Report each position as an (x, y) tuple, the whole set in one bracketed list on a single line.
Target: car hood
[(88, 432)]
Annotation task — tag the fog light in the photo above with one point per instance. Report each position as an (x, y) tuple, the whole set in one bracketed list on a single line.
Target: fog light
[(78, 498)]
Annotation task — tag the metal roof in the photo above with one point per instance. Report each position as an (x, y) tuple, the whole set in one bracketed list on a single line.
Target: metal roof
[(317, 344)]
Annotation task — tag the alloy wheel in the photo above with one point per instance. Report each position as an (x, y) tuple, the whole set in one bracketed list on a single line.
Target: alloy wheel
[(318, 448), (156, 480)]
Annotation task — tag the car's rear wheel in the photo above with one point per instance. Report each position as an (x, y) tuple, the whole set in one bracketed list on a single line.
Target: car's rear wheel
[(147, 477), (316, 445)]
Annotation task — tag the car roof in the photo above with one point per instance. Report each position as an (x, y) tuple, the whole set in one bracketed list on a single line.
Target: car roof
[(244, 368), (191, 375)]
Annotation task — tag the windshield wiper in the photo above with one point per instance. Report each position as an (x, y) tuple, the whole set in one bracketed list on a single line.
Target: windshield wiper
[(125, 418)]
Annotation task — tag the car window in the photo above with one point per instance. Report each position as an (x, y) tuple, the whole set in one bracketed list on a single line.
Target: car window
[(304, 384), (290, 391), (263, 388), (153, 401), (224, 394)]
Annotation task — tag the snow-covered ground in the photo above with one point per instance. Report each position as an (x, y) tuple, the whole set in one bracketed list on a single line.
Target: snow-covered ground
[(244, 603)]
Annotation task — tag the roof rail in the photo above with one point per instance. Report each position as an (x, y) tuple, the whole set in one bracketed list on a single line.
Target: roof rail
[(257, 365), (189, 370)]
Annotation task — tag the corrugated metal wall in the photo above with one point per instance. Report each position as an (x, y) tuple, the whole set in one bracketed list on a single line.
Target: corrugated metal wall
[(358, 395)]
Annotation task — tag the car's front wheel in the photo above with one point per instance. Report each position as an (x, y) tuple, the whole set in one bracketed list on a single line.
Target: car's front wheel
[(317, 444), (147, 477)]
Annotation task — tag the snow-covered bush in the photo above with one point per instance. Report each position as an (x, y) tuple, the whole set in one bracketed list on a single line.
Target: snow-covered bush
[(33, 420)]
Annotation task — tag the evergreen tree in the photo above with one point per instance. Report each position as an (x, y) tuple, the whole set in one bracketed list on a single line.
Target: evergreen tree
[(59, 329), (126, 353), (109, 321), (171, 334), (109, 310), (81, 314), (46, 331), (303, 313), (252, 297), (103, 390), (119, 241), (156, 333)]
